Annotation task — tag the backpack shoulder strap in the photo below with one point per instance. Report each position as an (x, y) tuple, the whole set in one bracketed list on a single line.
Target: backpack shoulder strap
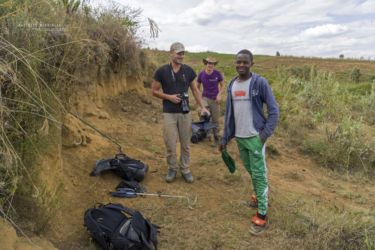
[(95, 229), (121, 208), (145, 229)]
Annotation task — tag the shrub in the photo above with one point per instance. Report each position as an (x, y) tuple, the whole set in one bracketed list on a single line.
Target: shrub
[(39, 66), (367, 105), (305, 73), (349, 147), (355, 75), (322, 102), (324, 95)]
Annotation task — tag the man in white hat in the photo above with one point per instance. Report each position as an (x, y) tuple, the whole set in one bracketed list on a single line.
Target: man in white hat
[(213, 86), (171, 84)]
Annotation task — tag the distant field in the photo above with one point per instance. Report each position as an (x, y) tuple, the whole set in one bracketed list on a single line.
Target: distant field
[(266, 65)]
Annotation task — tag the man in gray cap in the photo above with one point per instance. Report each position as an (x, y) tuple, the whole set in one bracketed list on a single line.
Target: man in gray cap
[(171, 84)]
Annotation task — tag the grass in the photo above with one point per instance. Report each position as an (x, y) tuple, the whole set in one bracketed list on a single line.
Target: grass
[(322, 112), (314, 225), (326, 116), (40, 69), (267, 65)]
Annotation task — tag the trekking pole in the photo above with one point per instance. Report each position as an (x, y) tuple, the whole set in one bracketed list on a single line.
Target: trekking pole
[(100, 132), (130, 193)]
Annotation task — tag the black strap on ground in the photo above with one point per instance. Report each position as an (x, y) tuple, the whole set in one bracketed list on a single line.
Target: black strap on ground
[(100, 132)]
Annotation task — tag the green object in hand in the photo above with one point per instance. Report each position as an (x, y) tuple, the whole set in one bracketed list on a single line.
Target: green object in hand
[(228, 160)]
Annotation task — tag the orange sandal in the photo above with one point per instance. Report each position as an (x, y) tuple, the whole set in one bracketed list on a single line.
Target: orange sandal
[(258, 225)]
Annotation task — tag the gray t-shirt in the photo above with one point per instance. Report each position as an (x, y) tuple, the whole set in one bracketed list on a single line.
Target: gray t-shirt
[(243, 114)]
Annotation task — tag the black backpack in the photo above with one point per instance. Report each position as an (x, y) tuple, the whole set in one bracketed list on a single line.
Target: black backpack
[(115, 227), (124, 166), (201, 129)]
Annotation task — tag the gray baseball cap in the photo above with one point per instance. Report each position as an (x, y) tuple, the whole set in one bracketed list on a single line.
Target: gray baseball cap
[(177, 47)]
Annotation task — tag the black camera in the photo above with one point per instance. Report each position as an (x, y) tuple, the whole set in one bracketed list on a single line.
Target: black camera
[(184, 102)]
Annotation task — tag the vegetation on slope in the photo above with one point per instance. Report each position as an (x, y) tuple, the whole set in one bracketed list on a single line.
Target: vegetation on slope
[(47, 46), (47, 49)]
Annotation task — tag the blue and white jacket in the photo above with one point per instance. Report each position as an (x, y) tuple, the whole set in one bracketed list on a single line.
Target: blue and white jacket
[(260, 93)]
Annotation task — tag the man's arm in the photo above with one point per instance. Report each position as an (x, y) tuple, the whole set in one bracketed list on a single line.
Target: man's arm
[(156, 91), (198, 97)]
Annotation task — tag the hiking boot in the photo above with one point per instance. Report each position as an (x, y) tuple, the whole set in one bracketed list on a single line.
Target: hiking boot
[(253, 202), (188, 177), (258, 225), (171, 175)]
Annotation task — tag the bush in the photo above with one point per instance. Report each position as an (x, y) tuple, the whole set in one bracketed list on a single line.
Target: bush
[(344, 147), (324, 95), (367, 104), (320, 103), (307, 72), (355, 75), (45, 49), (349, 147)]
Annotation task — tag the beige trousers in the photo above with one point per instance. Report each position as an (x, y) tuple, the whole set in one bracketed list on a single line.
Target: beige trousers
[(177, 125)]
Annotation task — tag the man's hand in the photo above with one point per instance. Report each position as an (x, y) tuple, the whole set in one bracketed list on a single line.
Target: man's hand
[(205, 110), (222, 147), (174, 98)]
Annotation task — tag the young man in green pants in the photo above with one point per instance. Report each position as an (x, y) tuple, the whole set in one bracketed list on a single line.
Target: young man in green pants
[(246, 120)]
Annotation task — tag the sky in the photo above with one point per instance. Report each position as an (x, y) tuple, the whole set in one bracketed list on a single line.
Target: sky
[(320, 28)]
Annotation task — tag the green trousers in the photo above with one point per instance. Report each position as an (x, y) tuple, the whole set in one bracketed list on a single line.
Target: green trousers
[(252, 152)]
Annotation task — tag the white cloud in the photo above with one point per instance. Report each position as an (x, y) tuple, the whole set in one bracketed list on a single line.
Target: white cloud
[(325, 30), (299, 27)]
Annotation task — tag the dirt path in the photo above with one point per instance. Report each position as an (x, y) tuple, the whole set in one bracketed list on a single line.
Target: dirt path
[(219, 219)]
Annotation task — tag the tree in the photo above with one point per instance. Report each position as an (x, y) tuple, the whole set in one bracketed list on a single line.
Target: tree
[(341, 56), (277, 53)]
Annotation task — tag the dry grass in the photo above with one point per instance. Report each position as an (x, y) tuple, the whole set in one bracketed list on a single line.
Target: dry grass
[(39, 69), (46, 48)]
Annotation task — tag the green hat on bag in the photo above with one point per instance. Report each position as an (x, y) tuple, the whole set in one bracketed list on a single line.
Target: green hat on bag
[(228, 160)]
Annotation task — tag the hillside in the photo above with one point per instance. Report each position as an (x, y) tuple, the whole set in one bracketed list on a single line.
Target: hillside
[(73, 75), (307, 202), (311, 207), (266, 65)]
